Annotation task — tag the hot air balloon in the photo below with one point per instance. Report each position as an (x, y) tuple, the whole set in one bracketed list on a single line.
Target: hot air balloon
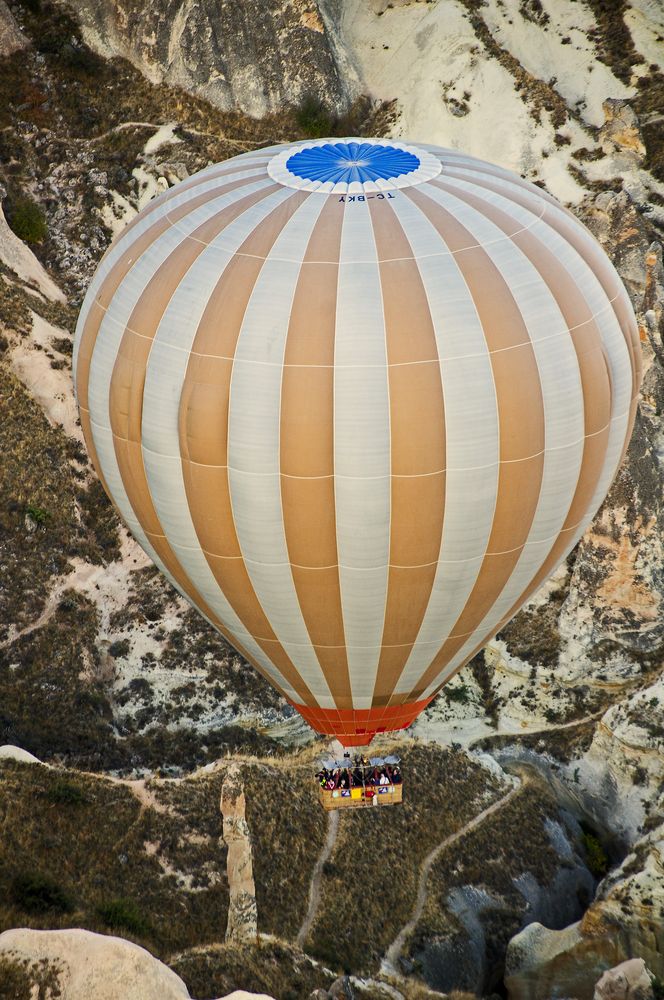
[(357, 399)]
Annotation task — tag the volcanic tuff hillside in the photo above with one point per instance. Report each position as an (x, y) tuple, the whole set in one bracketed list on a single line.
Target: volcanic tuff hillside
[(556, 766)]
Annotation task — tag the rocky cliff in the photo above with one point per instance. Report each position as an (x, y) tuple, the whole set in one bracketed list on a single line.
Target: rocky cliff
[(254, 56)]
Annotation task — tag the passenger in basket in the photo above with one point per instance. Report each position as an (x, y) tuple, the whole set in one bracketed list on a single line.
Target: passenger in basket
[(383, 780), (396, 776)]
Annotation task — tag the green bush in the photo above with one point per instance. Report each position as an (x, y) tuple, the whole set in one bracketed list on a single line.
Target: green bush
[(313, 118), (37, 514), (459, 693), (35, 893), (119, 648), (596, 859), (123, 914), (26, 219), (63, 792), (657, 987)]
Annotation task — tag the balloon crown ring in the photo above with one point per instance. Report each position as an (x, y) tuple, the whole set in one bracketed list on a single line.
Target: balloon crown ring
[(352, 165)]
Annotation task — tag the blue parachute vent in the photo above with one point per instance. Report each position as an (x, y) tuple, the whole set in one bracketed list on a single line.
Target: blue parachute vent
[(345, 162)]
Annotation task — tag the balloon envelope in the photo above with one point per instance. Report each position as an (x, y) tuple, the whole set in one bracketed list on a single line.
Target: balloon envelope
[(357, 399)]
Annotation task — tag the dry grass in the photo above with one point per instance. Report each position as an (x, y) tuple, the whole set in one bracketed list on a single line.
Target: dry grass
[(95, 847), (370, 883), (562, 744), (37, 476), (287, 828), (271, 967)]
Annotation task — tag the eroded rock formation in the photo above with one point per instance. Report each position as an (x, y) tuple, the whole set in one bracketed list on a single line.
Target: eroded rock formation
[(11, 37), (242, 911), (252, 56)]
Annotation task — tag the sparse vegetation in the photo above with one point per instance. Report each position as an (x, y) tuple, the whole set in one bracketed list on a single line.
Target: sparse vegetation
[(287, 829), (270, 967), (15, 980), (512, 841), (23, 980), (313, 118), (99, 847)]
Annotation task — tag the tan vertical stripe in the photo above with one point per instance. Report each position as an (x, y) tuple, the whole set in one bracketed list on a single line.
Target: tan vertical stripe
[(307, 450), (587, 341), (133, 252), (107, 290), (417, 447), (128, 380), (596, 388), (204, 407), (520, 418), (570, 229)]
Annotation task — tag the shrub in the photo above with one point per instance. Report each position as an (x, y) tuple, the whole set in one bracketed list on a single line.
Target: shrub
[(119, 648), (657, 987), (37, 514), (26, 219), (123, 914), (63, 792), (313, 117), (36, 893), (459, 693), (596, 859)]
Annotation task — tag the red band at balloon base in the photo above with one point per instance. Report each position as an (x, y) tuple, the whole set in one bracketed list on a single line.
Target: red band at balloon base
[(357, 727)]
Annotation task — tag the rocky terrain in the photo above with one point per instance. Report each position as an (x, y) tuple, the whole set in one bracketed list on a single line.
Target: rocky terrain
[(175, 808)]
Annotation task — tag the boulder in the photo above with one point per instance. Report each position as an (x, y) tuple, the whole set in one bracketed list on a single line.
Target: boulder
[(628, 981), (94, 965), (541, 963), (9, 752), (620, 131), (87, 965), (624, 921), (11, 37)]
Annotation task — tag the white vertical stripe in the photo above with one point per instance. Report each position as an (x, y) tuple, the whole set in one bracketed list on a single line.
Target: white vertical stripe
[(562, 399), (152, 213), (253, 444), (580, 272), (105, 352), (471, 432), (556, 491), (361, 450), (165, 375)]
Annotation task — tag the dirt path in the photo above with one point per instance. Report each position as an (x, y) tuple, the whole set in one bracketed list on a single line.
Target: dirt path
[(553, 727), (50, 607), (389, 964), (314, 888)]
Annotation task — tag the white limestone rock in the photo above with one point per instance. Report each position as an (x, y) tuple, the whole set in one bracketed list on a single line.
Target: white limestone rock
[(96, 965), (12, 38), (628, 981), (9, 752)]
